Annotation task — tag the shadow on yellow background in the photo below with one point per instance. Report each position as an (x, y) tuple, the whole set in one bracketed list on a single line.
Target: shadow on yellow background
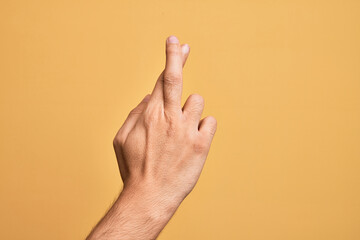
[(281, 77)]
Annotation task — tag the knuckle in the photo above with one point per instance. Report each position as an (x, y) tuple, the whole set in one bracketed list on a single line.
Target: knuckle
[(212, 120), (197, 99), (135, 111), (172, 49), (199, 146), (172, 78), (150, 117), (118, 141), (212, 123)]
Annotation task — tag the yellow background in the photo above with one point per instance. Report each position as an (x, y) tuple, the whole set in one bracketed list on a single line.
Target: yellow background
[(281, 77)]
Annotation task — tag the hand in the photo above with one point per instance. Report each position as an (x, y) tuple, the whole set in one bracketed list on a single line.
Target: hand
[(162, 147)]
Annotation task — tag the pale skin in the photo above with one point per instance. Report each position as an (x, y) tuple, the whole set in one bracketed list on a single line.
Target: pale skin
[(161, 149)]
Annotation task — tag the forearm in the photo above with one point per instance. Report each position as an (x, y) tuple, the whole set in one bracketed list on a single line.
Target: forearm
[(136, 214)]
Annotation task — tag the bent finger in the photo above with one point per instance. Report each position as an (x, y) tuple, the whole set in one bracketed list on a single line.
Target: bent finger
[(208, 126), (132, 118), (193, 108)]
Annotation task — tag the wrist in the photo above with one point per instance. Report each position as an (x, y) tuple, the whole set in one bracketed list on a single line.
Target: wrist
[(138, 213), (147, 206), (165, 196)]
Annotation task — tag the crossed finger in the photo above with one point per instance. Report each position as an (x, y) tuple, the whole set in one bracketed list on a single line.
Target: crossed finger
[(168, 88)]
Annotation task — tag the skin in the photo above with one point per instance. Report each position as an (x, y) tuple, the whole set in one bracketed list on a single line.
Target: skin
[(161, 149)]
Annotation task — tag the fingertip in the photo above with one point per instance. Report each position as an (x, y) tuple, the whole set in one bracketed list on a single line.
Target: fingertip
[(185, 48), (172, 39), (173, 47)]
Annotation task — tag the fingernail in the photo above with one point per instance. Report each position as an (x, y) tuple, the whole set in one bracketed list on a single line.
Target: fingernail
[(172, 39), (185, 49)]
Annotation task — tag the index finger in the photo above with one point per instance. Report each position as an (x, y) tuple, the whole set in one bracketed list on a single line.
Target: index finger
[(172, 77)]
